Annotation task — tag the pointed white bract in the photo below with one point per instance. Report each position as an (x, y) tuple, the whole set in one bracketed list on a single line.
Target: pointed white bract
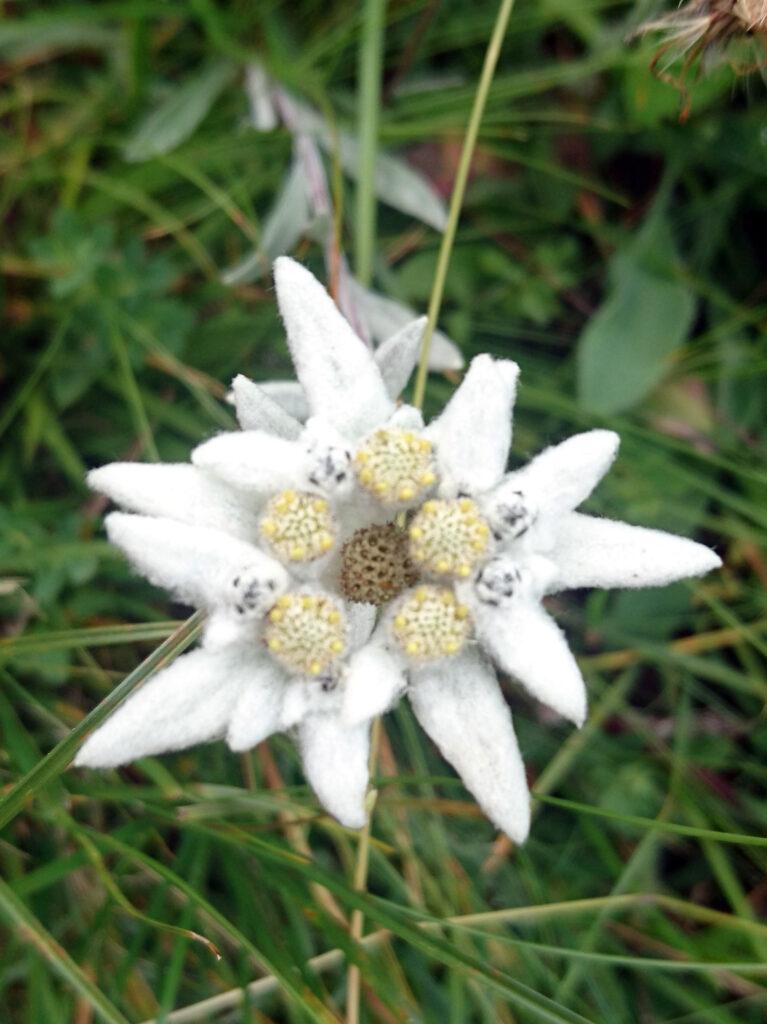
[(335, 760), (384, 317), (525, 642), (284, 530), (290, 395), (176, 491), (460, 706), (256, 713), (256, 410), (563, 476), (473, 434), (251, 461), (337, 371), (189, 702), (374, 681), (397, 356), (593, 552), (201, 567)]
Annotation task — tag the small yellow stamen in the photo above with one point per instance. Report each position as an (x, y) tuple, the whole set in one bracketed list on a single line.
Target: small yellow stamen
[(429, 625), (298, 527), (394, 466), (306, 633), (449, 536)]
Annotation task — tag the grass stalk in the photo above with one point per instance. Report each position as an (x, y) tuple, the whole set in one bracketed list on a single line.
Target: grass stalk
[(370, 61), (360, 879)]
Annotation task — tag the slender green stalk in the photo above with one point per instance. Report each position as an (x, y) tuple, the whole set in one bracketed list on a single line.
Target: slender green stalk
[(370, 59), (56, 761), (459, 189), (354, 978)]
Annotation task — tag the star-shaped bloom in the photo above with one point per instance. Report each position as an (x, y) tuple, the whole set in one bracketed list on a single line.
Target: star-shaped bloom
[(348, 554)]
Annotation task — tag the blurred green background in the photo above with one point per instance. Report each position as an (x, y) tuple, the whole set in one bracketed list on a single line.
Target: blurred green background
[(614, 252)]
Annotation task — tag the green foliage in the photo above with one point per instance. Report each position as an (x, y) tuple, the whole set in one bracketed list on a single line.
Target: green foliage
[(618, 256)]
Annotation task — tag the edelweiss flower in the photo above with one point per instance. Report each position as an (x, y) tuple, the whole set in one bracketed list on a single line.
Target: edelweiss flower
[(362, 555)]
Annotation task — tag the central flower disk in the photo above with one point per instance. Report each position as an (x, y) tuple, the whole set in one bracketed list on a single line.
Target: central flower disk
[(298, 527), (429, 624), (395, 466), (376, 566), (306, 633), (449, 537)]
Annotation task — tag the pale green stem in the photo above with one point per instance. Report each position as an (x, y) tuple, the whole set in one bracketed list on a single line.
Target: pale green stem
[(370, 59), (459, 189), (354, 978)]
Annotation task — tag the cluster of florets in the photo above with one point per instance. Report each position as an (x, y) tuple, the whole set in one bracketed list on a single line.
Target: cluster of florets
[(346, 553)]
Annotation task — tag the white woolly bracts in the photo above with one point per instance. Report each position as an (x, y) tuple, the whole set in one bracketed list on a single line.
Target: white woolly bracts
[(347, 554)]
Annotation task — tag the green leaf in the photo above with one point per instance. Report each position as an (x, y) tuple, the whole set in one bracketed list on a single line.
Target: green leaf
[(626, 348), (179, 114)]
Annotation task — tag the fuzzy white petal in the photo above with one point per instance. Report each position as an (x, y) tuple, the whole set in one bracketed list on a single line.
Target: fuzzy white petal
[(189, 702), (252, 460), (384, 316), (335, 759), (397, 356), (593, 552), (473, 433), (290, 395), (176, 490), (525, 642), (256, 714), (373, 682), (256, 410), (565, 474), (460, 705), (202, 567), (336, 369)]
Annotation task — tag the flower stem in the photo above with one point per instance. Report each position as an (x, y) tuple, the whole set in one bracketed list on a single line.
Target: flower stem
[(459, 188), (359, 882), (448, 238)]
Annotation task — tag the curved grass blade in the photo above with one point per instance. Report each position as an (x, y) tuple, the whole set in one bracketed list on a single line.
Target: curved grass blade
[(31, 931)]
